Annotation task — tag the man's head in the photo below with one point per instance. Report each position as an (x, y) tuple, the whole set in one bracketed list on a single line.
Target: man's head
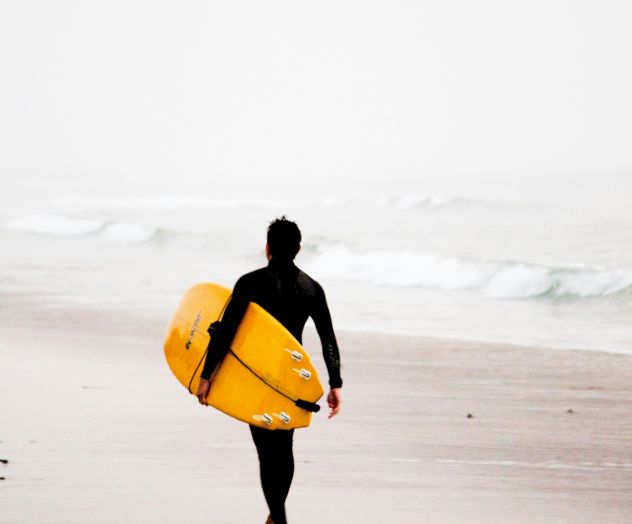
[(284, 239)]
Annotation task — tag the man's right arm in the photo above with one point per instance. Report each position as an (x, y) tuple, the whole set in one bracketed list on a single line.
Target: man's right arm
[(222, 337)]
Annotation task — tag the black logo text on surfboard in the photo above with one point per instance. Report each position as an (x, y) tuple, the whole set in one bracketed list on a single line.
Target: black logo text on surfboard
[(196, 323)]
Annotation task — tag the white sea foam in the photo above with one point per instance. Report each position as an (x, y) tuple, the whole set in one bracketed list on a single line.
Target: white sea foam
[(501, 279), (124, 233)]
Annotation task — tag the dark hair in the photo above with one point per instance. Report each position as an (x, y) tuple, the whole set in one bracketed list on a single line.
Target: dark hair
[(284, 239)]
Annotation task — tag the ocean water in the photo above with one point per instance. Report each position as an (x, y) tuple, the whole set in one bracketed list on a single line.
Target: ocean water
[(522, 259)]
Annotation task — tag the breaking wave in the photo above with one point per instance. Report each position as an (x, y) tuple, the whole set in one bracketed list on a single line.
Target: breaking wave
[(111, 232), (165, 203), (501, 279)]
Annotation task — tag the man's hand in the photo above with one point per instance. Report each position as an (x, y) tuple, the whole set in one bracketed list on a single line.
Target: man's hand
[(334, 399), (202, 392)]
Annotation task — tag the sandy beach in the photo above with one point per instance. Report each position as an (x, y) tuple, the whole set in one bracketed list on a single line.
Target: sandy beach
[(95, 429)]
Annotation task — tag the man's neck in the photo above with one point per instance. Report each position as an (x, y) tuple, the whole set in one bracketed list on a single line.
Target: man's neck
[(280, 264)]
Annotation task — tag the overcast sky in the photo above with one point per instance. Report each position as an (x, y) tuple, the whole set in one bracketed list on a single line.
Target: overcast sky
[(354, 89)]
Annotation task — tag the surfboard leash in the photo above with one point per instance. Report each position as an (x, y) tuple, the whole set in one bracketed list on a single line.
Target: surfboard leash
[(303, 404)]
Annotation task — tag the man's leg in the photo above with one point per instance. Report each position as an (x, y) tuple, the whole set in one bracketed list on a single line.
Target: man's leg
[(276, 467)]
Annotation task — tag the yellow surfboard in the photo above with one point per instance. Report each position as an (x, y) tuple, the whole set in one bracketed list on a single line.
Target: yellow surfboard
[(267, 379)]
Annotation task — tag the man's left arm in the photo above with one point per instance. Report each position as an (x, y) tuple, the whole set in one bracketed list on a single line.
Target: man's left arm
[(331, 353)]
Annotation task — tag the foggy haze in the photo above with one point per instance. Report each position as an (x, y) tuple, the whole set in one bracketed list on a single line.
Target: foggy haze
[(331, 89)]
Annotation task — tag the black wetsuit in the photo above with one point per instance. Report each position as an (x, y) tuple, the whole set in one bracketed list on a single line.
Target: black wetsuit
[(291, 296)]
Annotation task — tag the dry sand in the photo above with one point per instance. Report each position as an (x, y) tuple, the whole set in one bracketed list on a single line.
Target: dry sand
[(96, 430)]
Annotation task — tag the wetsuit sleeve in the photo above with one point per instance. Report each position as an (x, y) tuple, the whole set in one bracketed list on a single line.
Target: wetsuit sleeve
[(222, 337), (322, 319)]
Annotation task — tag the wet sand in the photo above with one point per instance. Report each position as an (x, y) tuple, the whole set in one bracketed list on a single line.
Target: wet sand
[(96, 430)]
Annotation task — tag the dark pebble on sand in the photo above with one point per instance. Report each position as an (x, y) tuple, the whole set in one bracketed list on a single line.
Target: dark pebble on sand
[(469, 415), (570, 411)]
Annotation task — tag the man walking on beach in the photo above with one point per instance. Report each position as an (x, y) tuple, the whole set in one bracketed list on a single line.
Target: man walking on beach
[(291, 296)]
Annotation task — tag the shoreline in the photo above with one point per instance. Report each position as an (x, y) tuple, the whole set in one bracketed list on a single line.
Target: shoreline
[(96, 429), (28, 303)]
